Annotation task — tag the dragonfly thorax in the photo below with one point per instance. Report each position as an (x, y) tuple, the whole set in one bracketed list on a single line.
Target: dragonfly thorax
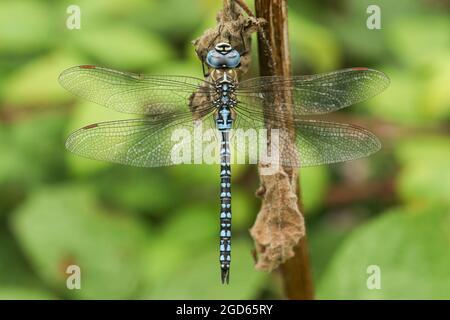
[(225, 100), (218, 75)]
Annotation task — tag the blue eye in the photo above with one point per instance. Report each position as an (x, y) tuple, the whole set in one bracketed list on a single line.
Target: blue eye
[(218, 60), (214, 59), (233, 59)]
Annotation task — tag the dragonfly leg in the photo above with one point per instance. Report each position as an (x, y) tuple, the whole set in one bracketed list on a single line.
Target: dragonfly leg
[(205, 70)]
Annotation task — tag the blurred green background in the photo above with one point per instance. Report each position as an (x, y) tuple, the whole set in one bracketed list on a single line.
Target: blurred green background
[(153, 233)]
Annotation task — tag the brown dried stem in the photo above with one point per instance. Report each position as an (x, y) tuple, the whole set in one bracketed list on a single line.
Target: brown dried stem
[(244, 7), (279, 231)]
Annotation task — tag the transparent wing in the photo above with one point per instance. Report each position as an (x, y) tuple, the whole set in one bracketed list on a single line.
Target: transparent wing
[(315, 94), (136, 93), (320, 142), (316, 142), (152, 142)]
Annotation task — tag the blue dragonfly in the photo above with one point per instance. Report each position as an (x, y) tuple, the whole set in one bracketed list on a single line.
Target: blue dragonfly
[(222, 103)]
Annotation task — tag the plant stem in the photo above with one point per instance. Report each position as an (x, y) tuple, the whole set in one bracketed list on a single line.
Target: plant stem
[(275, 61)]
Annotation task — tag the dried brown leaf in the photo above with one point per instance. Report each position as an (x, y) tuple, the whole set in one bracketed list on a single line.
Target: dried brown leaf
[(234, 27), (279, 225)]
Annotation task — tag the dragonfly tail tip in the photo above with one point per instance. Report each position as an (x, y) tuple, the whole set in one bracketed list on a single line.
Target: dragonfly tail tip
[(225, 275)]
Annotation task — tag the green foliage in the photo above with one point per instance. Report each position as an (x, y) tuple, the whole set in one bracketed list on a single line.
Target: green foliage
[(198, 280), (34, 83), (324, 239), (425, 177), (410, 246), (152, 233), (17, 293), (24, 26), (313, 182), (20, 152), (58, 227), (141, 48), (14, 272), (138, 191), (322, 55)]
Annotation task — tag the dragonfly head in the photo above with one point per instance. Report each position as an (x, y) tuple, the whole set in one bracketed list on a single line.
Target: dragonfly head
[(223, 56)]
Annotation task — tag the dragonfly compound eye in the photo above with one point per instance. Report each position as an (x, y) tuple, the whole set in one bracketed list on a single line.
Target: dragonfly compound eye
[(219, 59)]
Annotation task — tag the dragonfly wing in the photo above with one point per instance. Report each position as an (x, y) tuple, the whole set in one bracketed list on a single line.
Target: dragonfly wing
[(152, 142), (135, 93), (320, 142), (315, 94), (316, 142)]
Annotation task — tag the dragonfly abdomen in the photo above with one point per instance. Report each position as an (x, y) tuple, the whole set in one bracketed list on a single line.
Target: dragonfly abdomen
[(224, 121), (225, 208)]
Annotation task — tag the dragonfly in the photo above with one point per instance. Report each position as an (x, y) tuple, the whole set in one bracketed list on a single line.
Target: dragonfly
[(223, 103)]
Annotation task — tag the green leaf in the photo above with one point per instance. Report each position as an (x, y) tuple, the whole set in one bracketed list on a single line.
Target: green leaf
[(402, 102), (123, 47), (21, 152), (180, 238), (313, 45), (108, 10), (245, 207), (437, 96), (139, 189), (190, 68), (324, 239), (182, 262), (198, 277), (189, 218), (14, 270), (203, 175), (24, 293), (314, 184), (425, 182), (410, 246), (36, 83), (434, 46), (422, 149), (24, 26), (425, 175), (199, 175), (361, 42), (184, 17), (58, 227)]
